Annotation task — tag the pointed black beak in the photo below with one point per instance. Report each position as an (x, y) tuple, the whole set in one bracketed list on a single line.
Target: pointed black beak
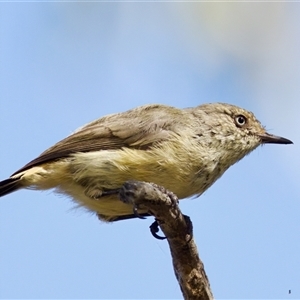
[(267, 138)]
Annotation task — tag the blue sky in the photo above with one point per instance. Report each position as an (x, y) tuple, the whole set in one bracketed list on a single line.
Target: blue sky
[(65, 64)]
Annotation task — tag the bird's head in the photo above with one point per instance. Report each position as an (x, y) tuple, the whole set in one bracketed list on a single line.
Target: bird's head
[(236, 131)]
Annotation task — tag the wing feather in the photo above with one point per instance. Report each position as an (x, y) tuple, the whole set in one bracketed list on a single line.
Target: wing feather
[(139, 128)]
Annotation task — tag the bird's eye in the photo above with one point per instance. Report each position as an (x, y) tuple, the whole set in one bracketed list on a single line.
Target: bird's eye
[(240, 120)]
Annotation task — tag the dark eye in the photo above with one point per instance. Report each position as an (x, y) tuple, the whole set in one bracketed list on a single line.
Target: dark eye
[(240, 120)]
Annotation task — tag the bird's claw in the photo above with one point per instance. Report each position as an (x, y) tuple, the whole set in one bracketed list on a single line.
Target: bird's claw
[(136, 214), (154, 228)]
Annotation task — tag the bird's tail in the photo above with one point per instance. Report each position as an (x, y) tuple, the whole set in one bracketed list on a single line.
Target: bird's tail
[(10, 185)]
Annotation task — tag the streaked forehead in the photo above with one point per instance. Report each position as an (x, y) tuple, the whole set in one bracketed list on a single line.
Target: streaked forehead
[(228, 109)]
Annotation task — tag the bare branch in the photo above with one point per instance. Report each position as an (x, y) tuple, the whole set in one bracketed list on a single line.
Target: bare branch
[(163, 205)]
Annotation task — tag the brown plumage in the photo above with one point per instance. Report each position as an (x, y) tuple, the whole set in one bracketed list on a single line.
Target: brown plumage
[(184, 150)]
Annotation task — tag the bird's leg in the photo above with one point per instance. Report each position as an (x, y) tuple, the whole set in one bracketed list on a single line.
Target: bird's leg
[(154, 198), (110, 192), (94, 191), (127, 196)]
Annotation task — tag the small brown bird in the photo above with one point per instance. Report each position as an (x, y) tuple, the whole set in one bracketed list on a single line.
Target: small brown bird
[(184, 150)]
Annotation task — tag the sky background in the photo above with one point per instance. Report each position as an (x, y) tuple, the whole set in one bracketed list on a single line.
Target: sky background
[(65, 64)]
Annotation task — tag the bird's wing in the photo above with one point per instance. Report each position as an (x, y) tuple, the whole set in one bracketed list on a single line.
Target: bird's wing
[(139, 128)]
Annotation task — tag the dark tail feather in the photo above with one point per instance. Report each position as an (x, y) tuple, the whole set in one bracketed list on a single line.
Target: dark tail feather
[(9, 185)]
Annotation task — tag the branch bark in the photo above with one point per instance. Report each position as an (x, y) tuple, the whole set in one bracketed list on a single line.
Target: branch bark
[(163, 205)]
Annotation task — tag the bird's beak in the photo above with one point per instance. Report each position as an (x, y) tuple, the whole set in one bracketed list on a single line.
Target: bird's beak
[(267, 138)]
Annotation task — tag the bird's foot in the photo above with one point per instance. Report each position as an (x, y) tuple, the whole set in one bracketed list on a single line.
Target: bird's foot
[(127, 195), (154, 228)]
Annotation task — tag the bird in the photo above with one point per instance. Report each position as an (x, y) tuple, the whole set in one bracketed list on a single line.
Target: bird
[(183, 150)]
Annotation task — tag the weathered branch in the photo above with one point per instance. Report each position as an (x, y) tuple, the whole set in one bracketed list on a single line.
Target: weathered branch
[(162, 204)]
